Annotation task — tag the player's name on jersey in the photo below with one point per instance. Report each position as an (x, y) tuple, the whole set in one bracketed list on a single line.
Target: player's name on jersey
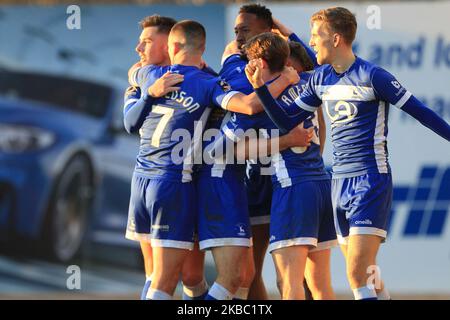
[(183, 99), (290, 95)]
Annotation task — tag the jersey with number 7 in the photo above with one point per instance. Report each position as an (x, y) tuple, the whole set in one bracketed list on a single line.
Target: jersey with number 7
[(167, 132)]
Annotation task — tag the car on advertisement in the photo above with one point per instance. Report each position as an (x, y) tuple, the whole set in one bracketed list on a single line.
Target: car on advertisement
[(65, 163)]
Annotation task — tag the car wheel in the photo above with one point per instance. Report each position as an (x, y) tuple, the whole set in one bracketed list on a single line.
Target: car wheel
[(66, 223)]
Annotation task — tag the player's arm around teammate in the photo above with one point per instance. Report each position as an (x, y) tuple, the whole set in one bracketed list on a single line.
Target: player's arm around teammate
[(250, 104), (310, 224), (333, 31), (252, 19), (185, 52), (152, 49)]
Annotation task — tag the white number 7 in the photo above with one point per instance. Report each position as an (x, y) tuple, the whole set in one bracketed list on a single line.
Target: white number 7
[(167, 114)]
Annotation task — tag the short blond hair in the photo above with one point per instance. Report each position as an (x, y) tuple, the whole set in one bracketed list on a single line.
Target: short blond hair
[(340, 20)]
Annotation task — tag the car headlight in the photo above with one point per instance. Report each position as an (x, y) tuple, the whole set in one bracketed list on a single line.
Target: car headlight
[(20, 138)]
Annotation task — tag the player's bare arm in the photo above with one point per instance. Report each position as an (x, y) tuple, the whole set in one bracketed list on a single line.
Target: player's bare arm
[(297, 137)]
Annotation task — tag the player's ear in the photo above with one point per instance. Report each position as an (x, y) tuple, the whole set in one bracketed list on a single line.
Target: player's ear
[(165, 49), (166, 46), (176, 48), (264, 64), (337, 38), (203, 48)]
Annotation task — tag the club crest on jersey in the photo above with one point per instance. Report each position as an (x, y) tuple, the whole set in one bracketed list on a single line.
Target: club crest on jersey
[(224, 85), (241, 229), (343, 111), (132, 90)]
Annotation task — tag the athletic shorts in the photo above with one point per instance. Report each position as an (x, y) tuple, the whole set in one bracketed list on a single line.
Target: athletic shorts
[(302, 214), (162, 212), (362, 204), (223, 218)]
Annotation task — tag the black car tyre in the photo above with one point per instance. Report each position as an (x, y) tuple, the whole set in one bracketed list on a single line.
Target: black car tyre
[(70, 205)]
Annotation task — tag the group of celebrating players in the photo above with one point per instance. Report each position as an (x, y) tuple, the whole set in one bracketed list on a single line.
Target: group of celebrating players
[(268, 191)]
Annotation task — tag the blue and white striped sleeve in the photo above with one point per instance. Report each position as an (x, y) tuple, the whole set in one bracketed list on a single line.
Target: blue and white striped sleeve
[(136, 108), (139, 76), (221, 93), (387, 88), (308, 100)]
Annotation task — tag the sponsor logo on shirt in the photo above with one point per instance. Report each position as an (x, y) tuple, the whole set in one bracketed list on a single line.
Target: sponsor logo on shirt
[(367, 221), (341, 112), (160, 227)]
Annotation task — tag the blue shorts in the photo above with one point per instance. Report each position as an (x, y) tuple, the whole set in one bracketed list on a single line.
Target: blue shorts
[(302, 214), (259, 193), (222, 212), (162, 212), (362, 204)]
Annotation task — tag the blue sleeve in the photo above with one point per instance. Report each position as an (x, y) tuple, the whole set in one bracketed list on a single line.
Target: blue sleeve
[(221, 92), (387, 88), (284, 118), (308, 99), (232, 61), (136, 108), (141, 75), (294, 38), (427, 117)]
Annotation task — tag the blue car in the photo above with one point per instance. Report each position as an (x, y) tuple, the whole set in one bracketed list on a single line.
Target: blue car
[(65, 163)]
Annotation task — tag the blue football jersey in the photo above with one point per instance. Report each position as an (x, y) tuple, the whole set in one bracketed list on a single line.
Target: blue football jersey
[(233, 69), (233, 72), (292, 165), (358, 111), (167, 133), (216, 165)]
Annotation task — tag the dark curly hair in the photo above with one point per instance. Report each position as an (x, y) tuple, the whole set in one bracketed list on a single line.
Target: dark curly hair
[(261, 12)]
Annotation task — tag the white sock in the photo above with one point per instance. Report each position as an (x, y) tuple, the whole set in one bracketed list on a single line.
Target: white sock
[(384, 295), (242, 293), (154, 294), (364, 293), (197, 290), (219, 293), (149, 278)]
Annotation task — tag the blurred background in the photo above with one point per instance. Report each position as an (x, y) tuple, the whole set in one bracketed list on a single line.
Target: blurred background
[(66, 161)]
